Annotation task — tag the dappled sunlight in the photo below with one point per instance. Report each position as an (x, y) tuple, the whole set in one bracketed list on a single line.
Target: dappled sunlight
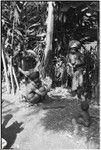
[(60, 120), (50, 68)]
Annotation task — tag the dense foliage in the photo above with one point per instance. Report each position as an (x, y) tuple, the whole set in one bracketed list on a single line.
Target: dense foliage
[(76, 20), (24, 30)]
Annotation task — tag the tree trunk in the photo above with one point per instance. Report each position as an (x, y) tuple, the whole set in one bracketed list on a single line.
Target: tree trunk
[(49, 36), (12, 35), (16, 81), (11, 75), (5, 71)]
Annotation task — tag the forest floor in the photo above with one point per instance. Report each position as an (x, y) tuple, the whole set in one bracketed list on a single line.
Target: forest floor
[(47, 126)]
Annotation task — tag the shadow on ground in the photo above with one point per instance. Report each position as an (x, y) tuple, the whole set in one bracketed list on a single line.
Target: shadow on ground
[(10, 133), (60, 119)]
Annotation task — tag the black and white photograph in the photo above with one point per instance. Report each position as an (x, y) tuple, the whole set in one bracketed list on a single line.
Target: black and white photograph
[(50, 75)]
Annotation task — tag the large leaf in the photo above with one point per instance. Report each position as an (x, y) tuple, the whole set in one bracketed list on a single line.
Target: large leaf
[(16, 16), (41, 35), (65, 6), (18, 32), (32, 52), (19, 10), (9, 32), (30, 31), (7, 43), (32, 34), (18, 38), (95, 5), (34, 25), (4, 21)]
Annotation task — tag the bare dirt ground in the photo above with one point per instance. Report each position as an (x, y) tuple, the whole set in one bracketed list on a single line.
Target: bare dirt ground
[(37, 127)]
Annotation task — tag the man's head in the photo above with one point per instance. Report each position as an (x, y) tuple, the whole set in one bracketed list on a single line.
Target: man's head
[(74, 45)]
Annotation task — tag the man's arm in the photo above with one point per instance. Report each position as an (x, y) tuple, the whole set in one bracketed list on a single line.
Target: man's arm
[(26, 73), (38, 92), (79, 66)]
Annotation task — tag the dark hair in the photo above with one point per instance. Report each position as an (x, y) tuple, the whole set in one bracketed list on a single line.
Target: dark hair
[(34, 75), (84, 106)]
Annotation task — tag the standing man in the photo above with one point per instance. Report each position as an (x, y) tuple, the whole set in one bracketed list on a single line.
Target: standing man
[(74, 60)]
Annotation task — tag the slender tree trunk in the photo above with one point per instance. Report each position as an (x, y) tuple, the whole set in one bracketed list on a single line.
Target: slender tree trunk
[(5, 71), (10, 65), (12, 34), (49, 36), (16, 81), (11, 75)]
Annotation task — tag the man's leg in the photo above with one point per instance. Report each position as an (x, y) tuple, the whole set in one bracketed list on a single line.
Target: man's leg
[(34, 98), (75, 81), (80, 79)]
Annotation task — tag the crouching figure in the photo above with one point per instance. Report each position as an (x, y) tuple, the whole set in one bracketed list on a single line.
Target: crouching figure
[(39, 92), (36, 88)]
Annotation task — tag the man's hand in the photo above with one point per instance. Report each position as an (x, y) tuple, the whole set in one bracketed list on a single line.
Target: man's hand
[(38, 92), (26, 73)]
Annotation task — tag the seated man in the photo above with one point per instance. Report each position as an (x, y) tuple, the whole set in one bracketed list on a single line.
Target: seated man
[(36, 88), (37, 93)]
